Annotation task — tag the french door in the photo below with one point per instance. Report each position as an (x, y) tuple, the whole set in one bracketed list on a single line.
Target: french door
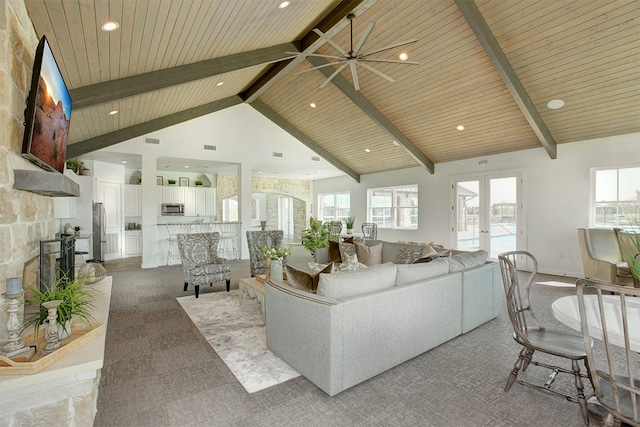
[(488, 212)]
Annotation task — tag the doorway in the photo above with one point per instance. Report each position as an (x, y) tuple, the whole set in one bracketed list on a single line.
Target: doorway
[(488, 212), (285, 216)]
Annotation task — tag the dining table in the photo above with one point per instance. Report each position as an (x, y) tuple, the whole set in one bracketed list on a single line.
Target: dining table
[(566, 310)]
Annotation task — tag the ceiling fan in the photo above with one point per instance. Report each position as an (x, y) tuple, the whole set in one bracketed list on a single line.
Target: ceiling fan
[(354, 56)]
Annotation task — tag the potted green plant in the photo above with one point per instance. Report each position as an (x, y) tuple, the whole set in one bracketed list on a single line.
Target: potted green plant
[(198, 183), (350, 221), (76, 304), (315, 239), (171, 181), (75, 165), (77, 229)]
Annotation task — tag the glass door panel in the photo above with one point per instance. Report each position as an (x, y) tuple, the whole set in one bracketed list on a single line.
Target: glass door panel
[(503, 206), (468, 215)]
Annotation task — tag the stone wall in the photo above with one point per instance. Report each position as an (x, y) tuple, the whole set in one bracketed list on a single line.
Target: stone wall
[(299, 190), (25, 218)]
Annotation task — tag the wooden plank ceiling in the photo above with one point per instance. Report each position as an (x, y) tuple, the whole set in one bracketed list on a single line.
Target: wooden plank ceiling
[(586, 53)]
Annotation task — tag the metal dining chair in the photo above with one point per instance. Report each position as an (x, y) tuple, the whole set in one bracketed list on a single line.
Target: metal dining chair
[(616, 376), (336, 229), (532, 336), (369, 230), (228, 238)]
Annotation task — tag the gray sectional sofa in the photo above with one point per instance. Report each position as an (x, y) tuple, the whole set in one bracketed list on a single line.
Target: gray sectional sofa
[(365, 322)]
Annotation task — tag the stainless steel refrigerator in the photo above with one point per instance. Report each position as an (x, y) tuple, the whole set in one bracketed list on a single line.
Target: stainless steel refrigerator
[(99, 232)]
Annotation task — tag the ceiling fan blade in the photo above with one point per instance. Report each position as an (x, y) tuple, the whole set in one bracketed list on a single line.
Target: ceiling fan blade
[(364, 38), (376, 72), (316, 68), (335, 73), (393, 61), (391, 46), (354, 74), (331, 42), (324, 56)]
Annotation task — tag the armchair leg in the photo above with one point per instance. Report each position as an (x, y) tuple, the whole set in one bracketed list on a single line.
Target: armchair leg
[(186, 285), (197, 290), (228, 284)]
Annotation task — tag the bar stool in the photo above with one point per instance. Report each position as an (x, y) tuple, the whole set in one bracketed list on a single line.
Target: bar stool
[(173, 230), (229, 236)]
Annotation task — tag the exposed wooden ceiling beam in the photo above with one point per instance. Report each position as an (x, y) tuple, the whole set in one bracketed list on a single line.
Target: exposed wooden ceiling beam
[(112, 138), (300, 136), (330, 25), (374, 114), (113, 90), (504, 68)]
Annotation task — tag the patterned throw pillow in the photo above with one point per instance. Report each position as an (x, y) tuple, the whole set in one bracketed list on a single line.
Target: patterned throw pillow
[(407, 256), (316, 267), (349, 257)]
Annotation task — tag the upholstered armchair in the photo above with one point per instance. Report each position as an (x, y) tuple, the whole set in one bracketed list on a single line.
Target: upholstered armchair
[(256, 239), (602, 257), (200, 261)]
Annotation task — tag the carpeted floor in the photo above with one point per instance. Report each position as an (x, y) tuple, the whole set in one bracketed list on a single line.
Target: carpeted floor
[(160, 371)]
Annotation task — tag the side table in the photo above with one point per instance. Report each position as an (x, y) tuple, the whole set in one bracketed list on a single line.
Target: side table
[(253, 289)]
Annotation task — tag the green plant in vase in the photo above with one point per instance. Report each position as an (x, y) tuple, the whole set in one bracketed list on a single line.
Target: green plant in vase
[(74, 164), (171, 181), (76, 303), (316, 236), (198, 182), (350, 221), (630, 246)]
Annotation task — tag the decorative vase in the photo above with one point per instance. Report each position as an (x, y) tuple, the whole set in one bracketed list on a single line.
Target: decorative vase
[(267, 271), (276, 269), (349, 230), (321, 255)]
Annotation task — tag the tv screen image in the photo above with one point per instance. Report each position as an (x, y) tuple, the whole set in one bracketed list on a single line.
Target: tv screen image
[(48, 113)]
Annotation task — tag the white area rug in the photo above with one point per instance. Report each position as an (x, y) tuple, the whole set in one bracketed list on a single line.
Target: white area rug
[(237, 333), (557, 284)]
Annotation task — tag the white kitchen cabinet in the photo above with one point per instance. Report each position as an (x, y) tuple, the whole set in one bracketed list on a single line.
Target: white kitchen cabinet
[(133, 243), (190, 201), (173, 194), (205, 201), (132, 200)]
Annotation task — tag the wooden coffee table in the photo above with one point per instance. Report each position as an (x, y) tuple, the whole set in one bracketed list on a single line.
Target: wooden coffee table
[(252, 288)]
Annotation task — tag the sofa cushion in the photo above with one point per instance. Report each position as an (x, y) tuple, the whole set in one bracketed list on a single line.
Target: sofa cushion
[(410, 273), (369, 255), (428, 255), (467, 260), (304, 280), (352, 283), (407, 255)]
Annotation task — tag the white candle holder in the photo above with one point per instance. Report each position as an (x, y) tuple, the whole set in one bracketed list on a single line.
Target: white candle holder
[(14, 345), (51, 326)]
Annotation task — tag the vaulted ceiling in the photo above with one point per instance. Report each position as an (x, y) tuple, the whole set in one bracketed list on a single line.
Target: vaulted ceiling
[(488, 65)]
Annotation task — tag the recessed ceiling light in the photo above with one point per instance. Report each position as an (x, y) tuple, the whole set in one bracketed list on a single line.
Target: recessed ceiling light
[(259, 171), (313, 105), (555, 104), (112, 112), (403, 56), (219, 83), (110, 26), (186, 166), (366, 150), (124, 162), (396, 143), (460, 127), (284, 4)]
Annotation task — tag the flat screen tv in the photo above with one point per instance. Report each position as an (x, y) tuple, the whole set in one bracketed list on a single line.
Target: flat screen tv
[(48, 113)]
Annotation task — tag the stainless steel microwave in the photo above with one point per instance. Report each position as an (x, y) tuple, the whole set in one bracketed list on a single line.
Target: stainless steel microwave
[(169, 209)]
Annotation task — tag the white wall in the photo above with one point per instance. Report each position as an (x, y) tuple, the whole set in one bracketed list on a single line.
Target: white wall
[(556, 195)]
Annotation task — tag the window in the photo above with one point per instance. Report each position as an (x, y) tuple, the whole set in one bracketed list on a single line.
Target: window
[(616, 196), (334, 206), (394, 207)]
